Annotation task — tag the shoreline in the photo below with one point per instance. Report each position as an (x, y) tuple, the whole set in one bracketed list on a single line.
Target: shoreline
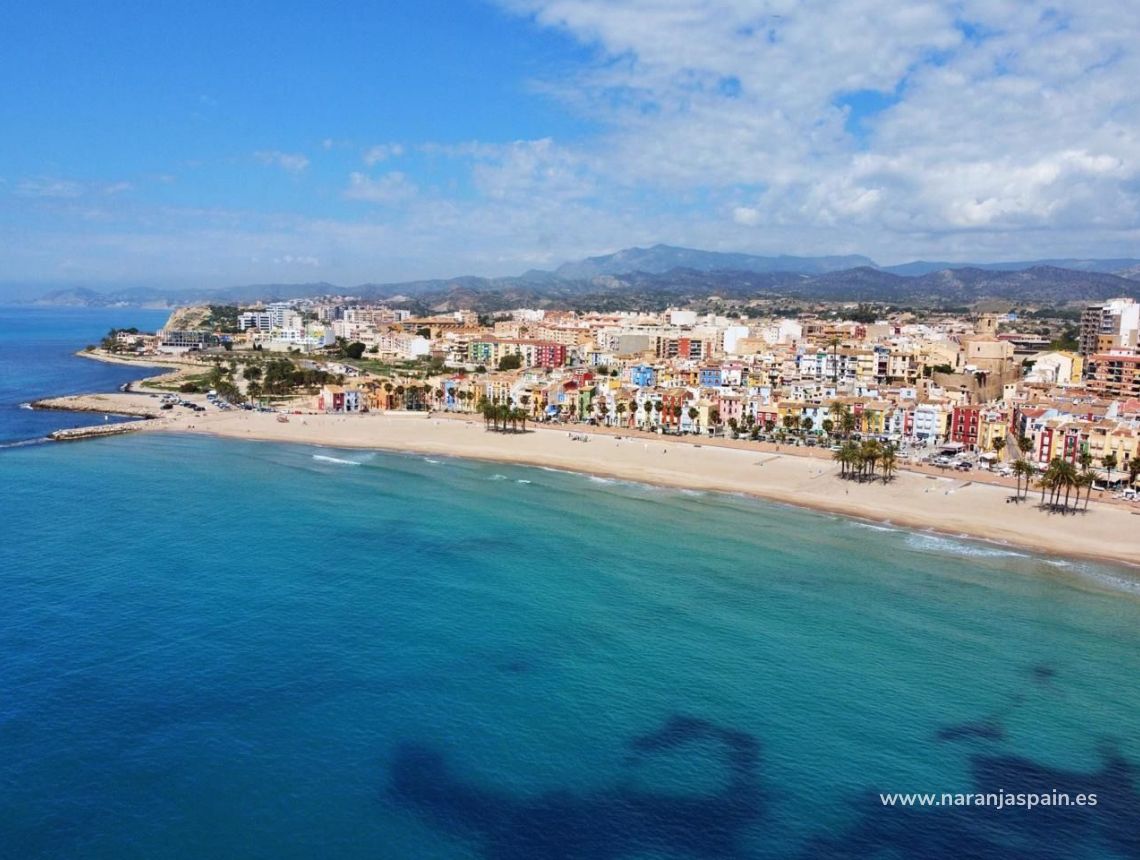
[(945, 505)]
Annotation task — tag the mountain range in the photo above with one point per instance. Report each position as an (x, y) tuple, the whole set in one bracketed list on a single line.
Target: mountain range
[(663, 274)]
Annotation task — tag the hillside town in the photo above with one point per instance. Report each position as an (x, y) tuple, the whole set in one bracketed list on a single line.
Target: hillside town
[(979, 390)]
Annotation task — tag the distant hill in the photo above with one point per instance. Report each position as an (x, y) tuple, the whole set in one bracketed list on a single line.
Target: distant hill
[(1111, 267), (664, 258), (663, 274)]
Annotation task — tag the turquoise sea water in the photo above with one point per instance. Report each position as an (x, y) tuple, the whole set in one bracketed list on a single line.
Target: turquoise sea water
[(219, 649), (37, 359)]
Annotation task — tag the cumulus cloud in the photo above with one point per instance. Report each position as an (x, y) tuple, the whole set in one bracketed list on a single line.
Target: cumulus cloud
[(902, 124), (298, 260), (290, 162), (952, 129), (50, 188), (389, 188), (382, 152)]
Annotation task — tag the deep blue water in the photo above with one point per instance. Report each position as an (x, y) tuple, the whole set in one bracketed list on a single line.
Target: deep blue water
[(37, 359), (215, 648)]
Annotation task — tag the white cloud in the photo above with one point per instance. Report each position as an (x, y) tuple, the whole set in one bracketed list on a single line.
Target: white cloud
[(746, 215), (1017, 118), (290, 162), (49, 188), (382, 152), (389, 188), (298, 260), (1005, 129)]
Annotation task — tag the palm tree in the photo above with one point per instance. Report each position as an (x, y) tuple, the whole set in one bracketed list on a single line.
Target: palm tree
[(1085, 481), (1068, 478), (828, 425), (871, 451), (848, 424), (1085, 459), (1048, 478), (1024, 444), (620, 412), (837, 409), (843, 458), (1060, 475), (890, 461), (734, 426), (851, 458), (1110, 463), (807, 423), (1022, 468), (997, 444), (693, 413)]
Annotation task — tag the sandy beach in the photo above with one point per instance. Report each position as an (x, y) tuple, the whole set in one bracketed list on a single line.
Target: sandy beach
[(951, 504)]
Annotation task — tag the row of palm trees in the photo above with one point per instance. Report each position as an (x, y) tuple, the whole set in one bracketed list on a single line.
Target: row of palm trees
[(1062, 481), (496, 416), (859, 460)]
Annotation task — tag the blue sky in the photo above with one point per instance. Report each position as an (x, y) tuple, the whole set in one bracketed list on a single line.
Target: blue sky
[(209, 144)]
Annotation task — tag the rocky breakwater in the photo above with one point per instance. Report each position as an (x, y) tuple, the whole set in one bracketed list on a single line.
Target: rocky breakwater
[(76, 433), (119, 404)]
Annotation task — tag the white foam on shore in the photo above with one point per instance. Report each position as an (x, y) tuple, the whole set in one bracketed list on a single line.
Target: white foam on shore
[(951, 546), (1097, 575), (876, 527), (324, 459), (26, 406)]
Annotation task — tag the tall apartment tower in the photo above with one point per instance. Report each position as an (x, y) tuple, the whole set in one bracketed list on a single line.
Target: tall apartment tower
[(1114, 324)]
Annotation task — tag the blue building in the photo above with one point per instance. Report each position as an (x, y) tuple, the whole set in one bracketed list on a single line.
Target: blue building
[(709, 377), (643, 376)]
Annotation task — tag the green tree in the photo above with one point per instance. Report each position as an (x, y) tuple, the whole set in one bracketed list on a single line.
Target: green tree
[(1110, 463), (510, 362), (889, 461), (1022, 468), (848, 423)]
